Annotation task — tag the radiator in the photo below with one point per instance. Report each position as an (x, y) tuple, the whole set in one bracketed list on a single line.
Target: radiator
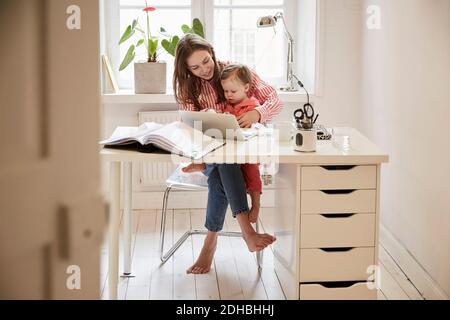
[(154, 174)]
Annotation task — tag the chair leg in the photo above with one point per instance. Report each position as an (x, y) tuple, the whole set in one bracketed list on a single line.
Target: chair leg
[(163, 222), (165, 256), (259, 254)]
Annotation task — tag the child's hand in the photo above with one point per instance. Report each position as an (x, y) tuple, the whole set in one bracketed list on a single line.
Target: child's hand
[(247, 119)]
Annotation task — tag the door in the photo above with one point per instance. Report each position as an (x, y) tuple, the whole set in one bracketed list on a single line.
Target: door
[(52, 215)]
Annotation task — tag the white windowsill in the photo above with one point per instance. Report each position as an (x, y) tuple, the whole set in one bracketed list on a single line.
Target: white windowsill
[(128, 96)]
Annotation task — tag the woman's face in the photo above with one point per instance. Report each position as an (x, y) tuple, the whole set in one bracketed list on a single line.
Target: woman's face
[(201, 64)]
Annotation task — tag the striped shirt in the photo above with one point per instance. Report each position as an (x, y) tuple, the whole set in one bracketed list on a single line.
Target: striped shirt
[(270, 104)]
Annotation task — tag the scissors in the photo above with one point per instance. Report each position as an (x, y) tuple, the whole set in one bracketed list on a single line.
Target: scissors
[(306, 113)]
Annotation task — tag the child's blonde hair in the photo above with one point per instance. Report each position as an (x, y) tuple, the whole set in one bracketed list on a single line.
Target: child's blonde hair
[(237, 71)]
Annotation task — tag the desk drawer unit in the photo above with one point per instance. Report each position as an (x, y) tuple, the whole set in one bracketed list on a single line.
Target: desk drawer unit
[(338, 201), (338, 291), (334, 231), (318, 265), (339, 177), (338, 206)]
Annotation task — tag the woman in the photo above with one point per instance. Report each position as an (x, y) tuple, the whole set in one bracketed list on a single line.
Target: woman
[(197, 86)]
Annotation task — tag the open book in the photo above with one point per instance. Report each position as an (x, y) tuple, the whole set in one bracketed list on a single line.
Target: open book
[(176, 137)]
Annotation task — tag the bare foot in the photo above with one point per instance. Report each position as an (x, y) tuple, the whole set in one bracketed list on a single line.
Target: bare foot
[(193, 167), (204, 260), (257, 241)]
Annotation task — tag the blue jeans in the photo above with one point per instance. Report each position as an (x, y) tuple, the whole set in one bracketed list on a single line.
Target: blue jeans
[(226, 185)]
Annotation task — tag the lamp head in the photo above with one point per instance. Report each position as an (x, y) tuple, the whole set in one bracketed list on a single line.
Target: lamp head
[(267, 21)]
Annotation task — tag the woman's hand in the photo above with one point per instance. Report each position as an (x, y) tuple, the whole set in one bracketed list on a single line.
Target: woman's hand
[(247, 119)]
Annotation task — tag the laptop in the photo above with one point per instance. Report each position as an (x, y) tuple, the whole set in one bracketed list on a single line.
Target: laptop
[(217, 125)]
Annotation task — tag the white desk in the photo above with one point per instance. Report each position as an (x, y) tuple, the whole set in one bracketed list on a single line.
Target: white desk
[(289, 196)]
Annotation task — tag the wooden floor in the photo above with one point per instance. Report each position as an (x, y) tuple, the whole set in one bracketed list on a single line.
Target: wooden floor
[(234, 273)]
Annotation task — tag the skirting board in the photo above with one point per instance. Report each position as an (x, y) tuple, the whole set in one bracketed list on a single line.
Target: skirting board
[(184, 199), (427, 287)]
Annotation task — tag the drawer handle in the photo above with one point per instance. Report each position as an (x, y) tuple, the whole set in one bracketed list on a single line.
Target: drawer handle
[(347, 191), (345, 249), (338, 215), (338, 284), (336, 168)]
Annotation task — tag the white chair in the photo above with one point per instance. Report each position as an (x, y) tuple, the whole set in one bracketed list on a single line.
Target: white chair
[(190, 182)]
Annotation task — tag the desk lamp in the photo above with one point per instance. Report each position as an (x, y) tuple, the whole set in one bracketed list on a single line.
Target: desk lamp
[(271, 21)]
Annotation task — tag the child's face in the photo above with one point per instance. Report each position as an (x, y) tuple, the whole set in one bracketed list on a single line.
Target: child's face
[(235, 91)]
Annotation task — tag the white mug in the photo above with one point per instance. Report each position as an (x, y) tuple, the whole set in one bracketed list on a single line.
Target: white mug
[(304, 140)]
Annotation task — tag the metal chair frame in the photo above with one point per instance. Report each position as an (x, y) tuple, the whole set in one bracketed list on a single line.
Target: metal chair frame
[(166, 256)]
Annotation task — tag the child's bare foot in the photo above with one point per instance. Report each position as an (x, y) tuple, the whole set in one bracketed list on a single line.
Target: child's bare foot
[(193, 167), (204, 260), (257, 241)]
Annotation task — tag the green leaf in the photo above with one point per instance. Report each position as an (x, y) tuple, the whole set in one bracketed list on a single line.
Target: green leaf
[(175, 41), (152, 46), (197, 27), (134, 24), (140, 42), (126, 35), (170, 46), (167, 45), (165, 33), (128, 58), (186, 29), (140, 30)]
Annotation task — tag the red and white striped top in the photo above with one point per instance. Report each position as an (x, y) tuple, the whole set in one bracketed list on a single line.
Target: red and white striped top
[(270, 104)]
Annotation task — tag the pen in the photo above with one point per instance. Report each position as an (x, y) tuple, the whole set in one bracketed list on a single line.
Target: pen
[(316, 118)]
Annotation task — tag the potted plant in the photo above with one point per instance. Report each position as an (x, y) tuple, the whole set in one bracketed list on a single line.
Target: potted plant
[(170, 44), (149, 75)]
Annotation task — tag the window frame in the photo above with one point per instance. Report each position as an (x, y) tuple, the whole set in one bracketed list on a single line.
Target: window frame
[(204, 10), (288, 7)]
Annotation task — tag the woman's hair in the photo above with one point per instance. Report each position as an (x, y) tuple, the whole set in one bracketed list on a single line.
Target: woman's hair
[(187, 86), (237, 71)]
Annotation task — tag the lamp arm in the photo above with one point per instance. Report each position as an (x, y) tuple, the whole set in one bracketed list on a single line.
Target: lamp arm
[(280, 15)]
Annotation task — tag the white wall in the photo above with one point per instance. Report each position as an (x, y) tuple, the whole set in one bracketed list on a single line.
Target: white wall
[(339, 48), (406, 111), (305, 42)]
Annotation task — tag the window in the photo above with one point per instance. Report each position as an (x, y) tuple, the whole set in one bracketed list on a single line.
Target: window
[(230, 25), (236, 37)]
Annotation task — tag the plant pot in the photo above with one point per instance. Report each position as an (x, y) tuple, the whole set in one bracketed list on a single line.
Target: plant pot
[(150, 77)]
